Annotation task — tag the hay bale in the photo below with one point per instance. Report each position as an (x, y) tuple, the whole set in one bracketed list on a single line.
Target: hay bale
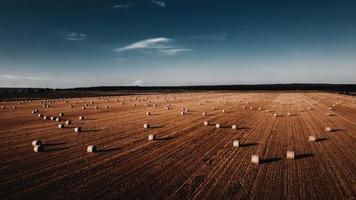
[(204, 113), (40, 115), (243, 107), (68, 122), (146, 126), (312, 138), (206, 123), (91, 149), (61, 114), (328, 129), (3, 107), (148, 113), (36, 142), (289, 114), (53, 118), (260, 108), (45, 117), (151, 137), (60, 125), (255, 159), (81, 117), (236, 143), (276, 115), (182, 113), (217, 125), (223, 111), (251, 108), (77, 129), (290, 154), (14, 107), (83, 107), (38, 148), (234, 126), (213, 108), (106, 107)]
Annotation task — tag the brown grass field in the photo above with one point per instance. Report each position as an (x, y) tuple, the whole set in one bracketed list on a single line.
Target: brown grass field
[(187, 160)]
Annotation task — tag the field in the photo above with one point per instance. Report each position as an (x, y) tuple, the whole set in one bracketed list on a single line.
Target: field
[(187, 160)]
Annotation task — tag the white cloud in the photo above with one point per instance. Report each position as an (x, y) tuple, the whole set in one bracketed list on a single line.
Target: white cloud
[(160, 45), (123, 6), (215, 36), (73, 36), (153, 43), (161, 4), (172, 51), (138, 83)]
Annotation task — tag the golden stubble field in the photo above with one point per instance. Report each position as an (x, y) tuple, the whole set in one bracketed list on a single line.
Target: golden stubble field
[(187, 160)]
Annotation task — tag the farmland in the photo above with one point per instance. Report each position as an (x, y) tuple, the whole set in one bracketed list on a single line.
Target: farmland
[(186, 160)]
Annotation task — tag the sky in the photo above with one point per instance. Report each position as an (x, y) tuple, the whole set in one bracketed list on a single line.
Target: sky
[(84, 43)]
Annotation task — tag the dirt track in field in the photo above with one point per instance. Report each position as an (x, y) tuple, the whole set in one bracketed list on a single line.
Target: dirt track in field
[(188, 160)]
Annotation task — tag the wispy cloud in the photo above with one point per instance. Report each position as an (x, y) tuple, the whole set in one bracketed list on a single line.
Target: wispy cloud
[(172, 51), (160, 45), (247, 30), (75, 36), (122, 6), (215, 36), (14, 77), (161, 4)]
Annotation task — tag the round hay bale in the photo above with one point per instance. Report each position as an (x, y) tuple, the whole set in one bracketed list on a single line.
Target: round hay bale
[(81, 117), (60, 125), (255, 159), (148, 113), (77, 129), (3, 107), (70, 106), (106, 107), (45, 117), (53, 118), (40, 115), (68, 122), (204, 113), (223, 111), (328, 129), (14, 107), (182, 113), (234, 126), (58, 119), (251, 108), (243, 107), (151, 137), (146, 126), (206, 123), (275, 115), (290, 154), (38, 148), (213, 108), (312, 138), (236, 143), (217, 125), (91, 149), (288, 114), (36, 142), (61, 114)]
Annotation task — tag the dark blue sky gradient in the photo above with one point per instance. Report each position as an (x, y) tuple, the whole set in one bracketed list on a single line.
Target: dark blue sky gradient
[(208, 42)]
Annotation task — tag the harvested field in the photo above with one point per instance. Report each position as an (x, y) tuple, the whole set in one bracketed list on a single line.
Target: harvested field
[(187, 160)]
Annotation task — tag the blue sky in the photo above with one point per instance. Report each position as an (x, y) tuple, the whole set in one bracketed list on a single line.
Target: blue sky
[(66, 43)]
